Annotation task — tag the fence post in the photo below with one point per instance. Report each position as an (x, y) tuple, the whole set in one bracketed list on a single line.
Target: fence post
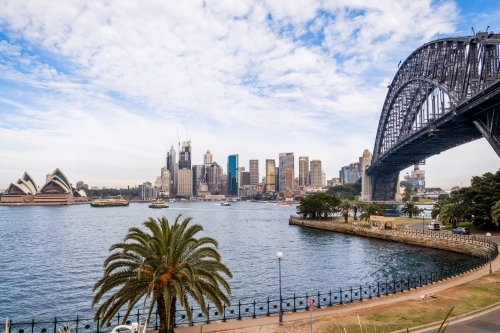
[(268, 313), (76, 324), (253, 309), (294, 308), (340, 293), (351, 294), (330, 304), (98, 325), (360, 293), (208, 314), (138, 317), (118, 319), (224, 314), (55, 324), (239, 310), (191, 321), (156, 320), (369, 291), (378, 289), (32, 325), (386, 291)]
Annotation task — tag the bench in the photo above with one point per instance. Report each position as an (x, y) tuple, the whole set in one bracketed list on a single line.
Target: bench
[(430, 294)]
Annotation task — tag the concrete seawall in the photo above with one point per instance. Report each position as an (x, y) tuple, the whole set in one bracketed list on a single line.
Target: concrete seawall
[(470, 245)]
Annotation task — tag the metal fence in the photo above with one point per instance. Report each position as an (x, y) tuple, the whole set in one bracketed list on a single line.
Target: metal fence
[(258, 308)]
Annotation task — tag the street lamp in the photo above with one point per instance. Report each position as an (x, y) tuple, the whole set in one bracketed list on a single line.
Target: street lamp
[(279, 255), (488, 235)]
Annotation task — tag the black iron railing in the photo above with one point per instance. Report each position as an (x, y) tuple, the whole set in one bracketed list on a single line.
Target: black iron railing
[(259, 308)]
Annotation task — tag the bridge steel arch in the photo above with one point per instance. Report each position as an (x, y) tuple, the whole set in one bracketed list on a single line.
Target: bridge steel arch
[(445, 94)]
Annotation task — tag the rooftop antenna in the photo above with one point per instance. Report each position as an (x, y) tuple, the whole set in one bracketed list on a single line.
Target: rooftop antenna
[(178, 142)]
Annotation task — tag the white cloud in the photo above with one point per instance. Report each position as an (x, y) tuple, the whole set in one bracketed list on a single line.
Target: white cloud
[(109, 82)]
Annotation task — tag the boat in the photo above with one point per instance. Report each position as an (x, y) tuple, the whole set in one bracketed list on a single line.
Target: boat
[(158, 203), (118, 201), (283, 204), (225, 204)]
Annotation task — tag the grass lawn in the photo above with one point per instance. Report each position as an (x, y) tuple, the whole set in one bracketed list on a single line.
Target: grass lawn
[(406, 314)]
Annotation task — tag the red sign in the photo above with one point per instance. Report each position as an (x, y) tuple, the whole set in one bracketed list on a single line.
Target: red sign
[(311, 302)]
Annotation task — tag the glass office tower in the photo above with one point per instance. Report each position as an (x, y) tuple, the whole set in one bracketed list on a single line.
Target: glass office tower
[(232, 175)]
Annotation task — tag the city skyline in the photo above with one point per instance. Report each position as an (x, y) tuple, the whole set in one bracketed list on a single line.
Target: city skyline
[(86, 91)]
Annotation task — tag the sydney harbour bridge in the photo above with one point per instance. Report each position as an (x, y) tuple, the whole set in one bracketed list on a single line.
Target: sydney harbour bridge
[(445, 94)]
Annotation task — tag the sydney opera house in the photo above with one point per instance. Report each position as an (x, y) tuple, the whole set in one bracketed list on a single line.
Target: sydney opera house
[(57, 190)]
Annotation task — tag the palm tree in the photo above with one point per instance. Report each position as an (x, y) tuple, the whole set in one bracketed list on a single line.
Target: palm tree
[(495, 213), (165, 264), (451, 213), (326, 209), (436, 209), (344, 208), (371, 209), (411, 209)]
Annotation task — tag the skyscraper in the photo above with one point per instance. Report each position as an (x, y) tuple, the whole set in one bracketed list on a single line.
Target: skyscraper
[(316, 173), (232, 175), (214, 175), (207, 158), (303, 170), (173, 167), (254, 172), (289, 180), (270, 176), (185, 183), (185, 155), (198, 177), (286, 162)]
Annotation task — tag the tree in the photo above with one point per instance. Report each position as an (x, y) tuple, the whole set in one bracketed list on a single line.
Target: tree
[(407, 194), (451, 214), (410, 209), (344, 208), (164, 265), (495, 213), (443, 196), (479, 198), (346, 191), (371, 209), (317, 204), (436, 209)]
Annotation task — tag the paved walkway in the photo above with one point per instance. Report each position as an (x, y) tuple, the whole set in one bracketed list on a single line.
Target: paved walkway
[(472, 325)]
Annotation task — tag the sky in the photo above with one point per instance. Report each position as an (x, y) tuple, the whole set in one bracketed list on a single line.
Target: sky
[(102, 89)]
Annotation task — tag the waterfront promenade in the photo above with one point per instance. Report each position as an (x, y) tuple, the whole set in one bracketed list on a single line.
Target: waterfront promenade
[(299, 321)]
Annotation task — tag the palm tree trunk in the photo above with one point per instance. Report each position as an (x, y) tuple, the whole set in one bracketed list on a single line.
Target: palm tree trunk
[(162, 313), (172, 315)]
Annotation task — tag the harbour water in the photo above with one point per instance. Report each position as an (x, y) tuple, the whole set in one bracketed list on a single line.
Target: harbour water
[(50, 257)]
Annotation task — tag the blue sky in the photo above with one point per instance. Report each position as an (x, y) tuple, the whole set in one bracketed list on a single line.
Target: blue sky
[(99, 89)]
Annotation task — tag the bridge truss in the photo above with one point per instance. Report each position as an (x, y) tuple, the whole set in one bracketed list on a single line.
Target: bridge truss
[(446, 93)]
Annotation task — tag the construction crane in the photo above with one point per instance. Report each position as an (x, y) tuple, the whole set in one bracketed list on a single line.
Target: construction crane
[(178, 143)]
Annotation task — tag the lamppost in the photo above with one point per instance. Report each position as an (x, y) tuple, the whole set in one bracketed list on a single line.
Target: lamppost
[(488, 235), (279, 255), (472, 218), (423, 222)]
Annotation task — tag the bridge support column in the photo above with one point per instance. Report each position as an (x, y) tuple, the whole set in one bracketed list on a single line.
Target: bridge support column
[(366, 186), (385, 186)]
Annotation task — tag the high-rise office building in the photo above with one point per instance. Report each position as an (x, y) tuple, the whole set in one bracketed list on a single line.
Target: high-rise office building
[(162, 183), (232, 175), (244, 178), (185, 183), (277, 178), (349, 174), (199, 175), (303, 170), (185, 155), (270, 175), (254, 172), (214, 177), (316, 173), (289, 180), (173, 167), (207, 158), (286, 161)]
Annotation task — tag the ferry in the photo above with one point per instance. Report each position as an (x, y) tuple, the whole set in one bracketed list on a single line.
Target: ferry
[(158, 203), (119, 201), (225, 204)]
